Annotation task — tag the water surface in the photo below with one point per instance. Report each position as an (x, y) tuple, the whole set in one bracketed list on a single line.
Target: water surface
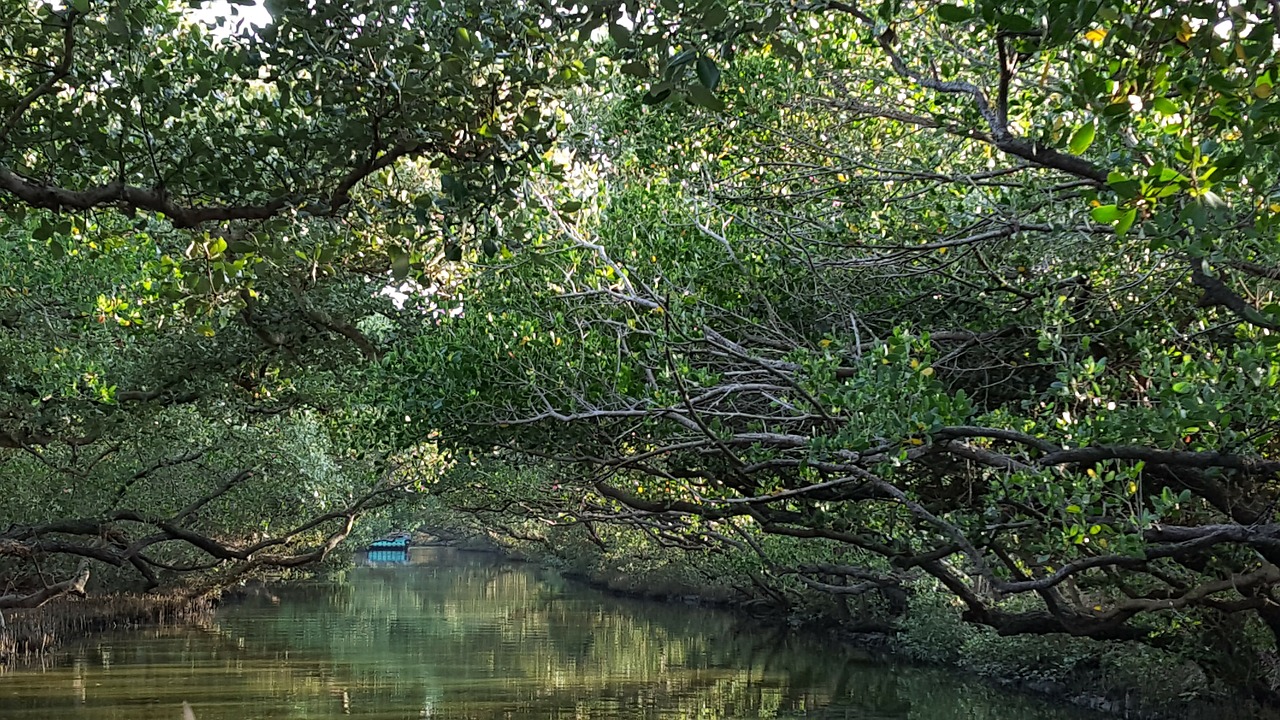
[(467, 637)]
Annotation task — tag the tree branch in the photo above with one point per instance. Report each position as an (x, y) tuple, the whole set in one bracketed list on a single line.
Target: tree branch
[(1216, 293), (61, 199), (60, 71), (1001, 137), (71, 586)]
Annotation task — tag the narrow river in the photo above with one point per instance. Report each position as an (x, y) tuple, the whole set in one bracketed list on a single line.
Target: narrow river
[(467, 637)]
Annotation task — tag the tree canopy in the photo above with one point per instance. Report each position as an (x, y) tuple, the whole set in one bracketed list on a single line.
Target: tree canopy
[(942, 293)]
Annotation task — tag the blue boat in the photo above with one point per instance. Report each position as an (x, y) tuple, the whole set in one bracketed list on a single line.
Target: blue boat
[(396, 541), (387, 557)]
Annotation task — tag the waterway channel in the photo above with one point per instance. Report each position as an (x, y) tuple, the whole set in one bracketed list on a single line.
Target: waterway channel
[(462, 636)]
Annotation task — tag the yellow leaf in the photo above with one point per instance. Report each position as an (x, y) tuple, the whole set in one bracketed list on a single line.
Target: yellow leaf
[(824, 342), (1091, 473), (927, 372), (1262, 91), (1185, 33), (1133, 487), (914, 441), (1096, 35), (914, 363), (1097, 608)]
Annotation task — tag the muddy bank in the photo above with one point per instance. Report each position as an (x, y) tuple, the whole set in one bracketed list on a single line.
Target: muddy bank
[(27, 635)]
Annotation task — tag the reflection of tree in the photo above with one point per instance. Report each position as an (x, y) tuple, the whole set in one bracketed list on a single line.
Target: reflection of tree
[(471, 638)]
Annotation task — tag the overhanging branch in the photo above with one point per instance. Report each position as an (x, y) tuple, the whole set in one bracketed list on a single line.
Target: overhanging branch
[(61, 199)]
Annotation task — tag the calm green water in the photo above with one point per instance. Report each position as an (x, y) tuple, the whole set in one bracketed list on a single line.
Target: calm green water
[(465, 637)]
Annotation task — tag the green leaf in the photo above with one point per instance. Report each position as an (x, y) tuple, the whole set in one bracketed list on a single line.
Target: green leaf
[(954, 13), (682, 59), (1105, 213), (1015, 23), (787, 50), (1126, 221), (621, 36), (572, 206), (708, 73), (636, 69), (1117, 109), (704, 97), (1075, 509), (657, 94), (1082, 138), (714, 17), (1195, 213), (1130, 188), (399, 265)]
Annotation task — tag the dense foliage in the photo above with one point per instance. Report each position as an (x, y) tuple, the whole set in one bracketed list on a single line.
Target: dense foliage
[(872, 299), (200, 221), (942, 291)]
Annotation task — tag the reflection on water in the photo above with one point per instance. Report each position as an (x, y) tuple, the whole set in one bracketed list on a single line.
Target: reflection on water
[(467, 637)]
